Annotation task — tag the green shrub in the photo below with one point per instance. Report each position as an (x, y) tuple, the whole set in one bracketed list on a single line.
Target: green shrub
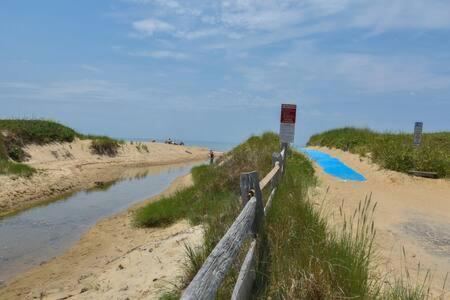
[(17, 154), (37, 131), (105, 146), (12, 168), (213, 201), (3, 153)]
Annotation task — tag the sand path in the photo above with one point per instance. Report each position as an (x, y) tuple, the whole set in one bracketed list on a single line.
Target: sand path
[(68, 167), (412, 212), (113, 260)]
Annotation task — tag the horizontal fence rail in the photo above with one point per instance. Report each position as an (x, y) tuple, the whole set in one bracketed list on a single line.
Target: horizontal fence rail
[(249, 222)]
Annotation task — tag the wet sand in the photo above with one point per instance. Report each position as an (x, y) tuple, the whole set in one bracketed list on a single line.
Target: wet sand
[(113, 260)]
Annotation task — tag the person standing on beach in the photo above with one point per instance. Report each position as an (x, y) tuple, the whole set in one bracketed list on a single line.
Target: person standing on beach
[(211, 157)]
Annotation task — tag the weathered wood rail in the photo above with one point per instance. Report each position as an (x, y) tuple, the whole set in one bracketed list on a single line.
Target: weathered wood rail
[(247, 225)]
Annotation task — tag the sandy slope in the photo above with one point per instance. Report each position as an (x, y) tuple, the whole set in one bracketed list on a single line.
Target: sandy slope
[(412, 212), (68, 167), (113, 260)]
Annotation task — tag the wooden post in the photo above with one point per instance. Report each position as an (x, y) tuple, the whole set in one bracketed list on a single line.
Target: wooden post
[(208, 279), (285, 147), (249, 188), (244, 284), (245, 188), (276, 157)]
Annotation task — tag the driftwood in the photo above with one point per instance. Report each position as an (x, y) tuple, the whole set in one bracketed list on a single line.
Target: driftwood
[(423, 174)]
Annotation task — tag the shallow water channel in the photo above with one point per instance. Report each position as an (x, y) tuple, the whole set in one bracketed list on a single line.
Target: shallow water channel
[(40, 233)]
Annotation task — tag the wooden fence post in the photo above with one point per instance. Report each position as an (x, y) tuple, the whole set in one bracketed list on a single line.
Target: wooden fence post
[(276, 157), (285, 147), (208, 279), (250, 187), (244, 284)]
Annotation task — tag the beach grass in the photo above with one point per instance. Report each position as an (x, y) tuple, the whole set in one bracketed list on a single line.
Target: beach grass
[(213, 201), (394, 151), (13, 168), (37, 131), (301, 256), (306, 258), (105, 146), (15, 134)]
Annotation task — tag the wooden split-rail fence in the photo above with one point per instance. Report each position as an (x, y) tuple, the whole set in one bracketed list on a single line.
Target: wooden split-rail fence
[(247, 225)]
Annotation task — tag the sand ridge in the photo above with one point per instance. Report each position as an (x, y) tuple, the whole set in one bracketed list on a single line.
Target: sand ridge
[(411, 212), (113, 260), (67, 167)]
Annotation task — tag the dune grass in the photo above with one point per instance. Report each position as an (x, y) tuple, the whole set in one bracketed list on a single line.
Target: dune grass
[(300, 256), (392, 151), (8, 167), (37, 131), (105, 146), (307, 260), (15, 134), (213, 201), (12, 168)]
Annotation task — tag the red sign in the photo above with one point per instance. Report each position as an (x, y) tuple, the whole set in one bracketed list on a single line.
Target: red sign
[(288, 113)]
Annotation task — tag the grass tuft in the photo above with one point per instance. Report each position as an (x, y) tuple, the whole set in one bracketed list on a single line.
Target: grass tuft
[(15, 134), (105, 146), (300, 256), (307, 259), (12, 168)]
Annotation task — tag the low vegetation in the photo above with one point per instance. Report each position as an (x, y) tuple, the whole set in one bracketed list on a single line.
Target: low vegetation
[(105, 146), (12, 168), (392, 151), (213, 201), (301, 258), (15, 134)]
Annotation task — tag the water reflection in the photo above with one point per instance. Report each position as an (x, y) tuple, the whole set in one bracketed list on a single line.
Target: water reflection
[(42, 232)]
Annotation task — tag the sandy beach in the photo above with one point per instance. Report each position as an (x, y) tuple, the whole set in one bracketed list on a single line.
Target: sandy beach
[(68, 167), (412, 213), (113, 260)]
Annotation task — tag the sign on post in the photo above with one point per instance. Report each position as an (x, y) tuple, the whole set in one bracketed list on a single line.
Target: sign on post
[(287, 123), (418, 126)]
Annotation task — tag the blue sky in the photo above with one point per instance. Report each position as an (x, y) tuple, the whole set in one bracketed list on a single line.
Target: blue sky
[(218, 70)]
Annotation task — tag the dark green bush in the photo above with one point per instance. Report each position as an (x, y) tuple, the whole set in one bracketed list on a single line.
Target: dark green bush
[(3, 153), (105, 146), (11, 168), (37, 131)]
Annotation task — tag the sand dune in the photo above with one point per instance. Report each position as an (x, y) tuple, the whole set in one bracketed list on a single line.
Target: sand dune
[(68, 167), (412, 212)]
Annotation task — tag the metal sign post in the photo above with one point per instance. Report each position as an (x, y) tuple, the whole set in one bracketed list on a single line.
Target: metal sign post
[(418, 126), (287, 123)]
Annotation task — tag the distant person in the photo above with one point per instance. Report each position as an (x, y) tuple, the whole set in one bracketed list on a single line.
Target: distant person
[(211, 157)]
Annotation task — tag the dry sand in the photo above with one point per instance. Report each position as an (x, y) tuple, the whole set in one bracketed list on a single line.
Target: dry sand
[(412, 212), (113, 260), (68, 167)]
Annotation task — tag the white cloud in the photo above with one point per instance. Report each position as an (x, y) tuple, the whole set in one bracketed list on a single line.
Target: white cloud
[(150, 26), (91, 68), (161, 54), (383, 15), (306, 67), (388, 74)]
